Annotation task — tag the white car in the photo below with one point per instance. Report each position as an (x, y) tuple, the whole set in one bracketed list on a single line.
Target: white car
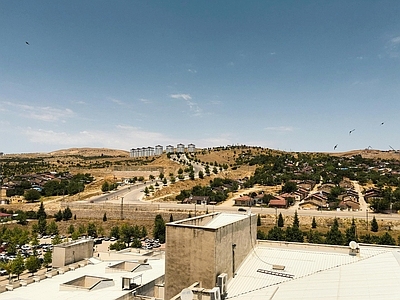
[(26, 247)]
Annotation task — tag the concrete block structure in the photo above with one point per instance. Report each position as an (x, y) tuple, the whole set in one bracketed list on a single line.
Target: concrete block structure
[(199, 249), (169, 149), (180, 148), (191, 148), (71, 252), (159, 150)]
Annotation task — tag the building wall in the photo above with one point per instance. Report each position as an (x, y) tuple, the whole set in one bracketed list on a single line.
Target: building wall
[(189, 257), (200, 254), (243, 234), (71, 252)]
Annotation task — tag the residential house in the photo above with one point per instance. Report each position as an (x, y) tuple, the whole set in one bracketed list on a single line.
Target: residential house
[(315, 201), (244, 201), (278, 202)]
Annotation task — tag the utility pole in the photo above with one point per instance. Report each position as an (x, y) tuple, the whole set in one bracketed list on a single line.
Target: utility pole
[(122, 208)]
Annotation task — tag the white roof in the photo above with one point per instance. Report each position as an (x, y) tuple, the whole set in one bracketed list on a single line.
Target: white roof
[(224, 219), (49, 288), (318, 274)]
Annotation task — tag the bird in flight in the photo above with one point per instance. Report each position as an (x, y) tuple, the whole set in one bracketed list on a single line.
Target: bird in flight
[(334, 148), (392, 148), (382, 123), (27, 43), (351, 131)]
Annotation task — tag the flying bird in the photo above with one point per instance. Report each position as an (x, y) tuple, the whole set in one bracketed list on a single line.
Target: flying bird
[(392, 148), (382, 123), (334, 148), (27, 43), (351, 131)]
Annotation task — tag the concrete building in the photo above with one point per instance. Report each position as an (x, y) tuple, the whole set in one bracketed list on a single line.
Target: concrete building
[(180, 148), (200, 249), (158, 150), (191, 148), (71, 252), (169, 149), (119, 275)]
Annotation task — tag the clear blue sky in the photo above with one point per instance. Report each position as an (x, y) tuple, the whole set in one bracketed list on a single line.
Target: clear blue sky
[(288, 75)]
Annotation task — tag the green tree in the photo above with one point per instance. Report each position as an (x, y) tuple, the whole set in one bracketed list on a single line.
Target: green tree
[(136, 243), (104, 217), (201, 174), (374, 225), (92, 230), (334, 236), (171, 218), (33, 264), (289, 187), (313, 223), (387, 239), (115, 232), (276, 234), (351, 232), (159, 228), (315, 237), (56, 240), (258, 220), (146, 191), (18, 265), (42, 225), (281, 222), (32, 195), (21, 217), (296, 222), (143, 232), (75, 235), (81, 229), (41, 213), (105, 187), (71, 229), (294, 234), (47, 259), (52, 228), (58, 216), (8, 266), (67, 214)]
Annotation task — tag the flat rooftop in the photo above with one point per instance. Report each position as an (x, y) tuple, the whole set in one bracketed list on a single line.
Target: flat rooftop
[(211, 221), (49, 288), (317, 272)]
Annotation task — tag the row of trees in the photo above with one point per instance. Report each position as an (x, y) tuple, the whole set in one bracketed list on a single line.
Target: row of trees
[(334, 236), (33, 263), (51, 188)]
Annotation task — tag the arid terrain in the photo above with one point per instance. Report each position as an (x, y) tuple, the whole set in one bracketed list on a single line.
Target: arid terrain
[(101, 163)]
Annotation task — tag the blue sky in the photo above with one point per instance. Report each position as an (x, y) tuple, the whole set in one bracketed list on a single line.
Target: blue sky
[(288, 75)]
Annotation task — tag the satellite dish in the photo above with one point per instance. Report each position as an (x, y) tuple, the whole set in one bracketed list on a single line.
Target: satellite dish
[(353, 245), (187, 294)]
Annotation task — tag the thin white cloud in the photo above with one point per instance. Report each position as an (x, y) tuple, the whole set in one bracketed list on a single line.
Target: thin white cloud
[(119, 102), (272, 53), (393, 47), (79, 102), (192, 71), (181, 96), (360, 57), (194, 108), (216, 102), (44, 113), (146, 101), (231, 64), (280, 128), (119, 137)]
